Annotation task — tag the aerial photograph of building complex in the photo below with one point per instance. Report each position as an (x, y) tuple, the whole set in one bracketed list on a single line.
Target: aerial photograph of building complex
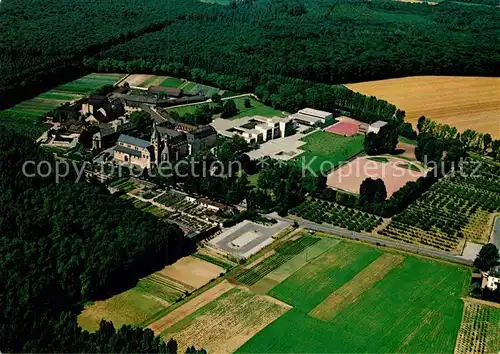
[(250, 176)]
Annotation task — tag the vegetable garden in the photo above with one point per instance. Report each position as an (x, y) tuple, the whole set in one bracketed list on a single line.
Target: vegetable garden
[(322, 211), (456, 208)]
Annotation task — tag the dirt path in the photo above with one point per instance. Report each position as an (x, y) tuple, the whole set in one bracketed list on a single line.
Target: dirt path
[(188, 308)]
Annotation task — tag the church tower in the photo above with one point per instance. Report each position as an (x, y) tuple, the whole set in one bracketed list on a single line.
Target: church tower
[(157, 143)]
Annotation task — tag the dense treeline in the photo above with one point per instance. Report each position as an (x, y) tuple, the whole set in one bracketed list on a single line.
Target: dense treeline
[(66, 244), (331, 42), (43, 42)]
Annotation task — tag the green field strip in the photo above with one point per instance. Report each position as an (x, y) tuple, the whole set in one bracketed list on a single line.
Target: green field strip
[(218, 262), (172, 82), (283, 254), (301, 259), (311, 284)]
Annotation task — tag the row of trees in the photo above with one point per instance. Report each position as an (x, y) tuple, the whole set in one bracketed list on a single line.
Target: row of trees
[(67, 243)]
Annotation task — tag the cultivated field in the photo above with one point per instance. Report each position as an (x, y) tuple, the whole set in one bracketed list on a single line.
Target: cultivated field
[(26, 116), (464, 102), (355, 298), (394, 171), (480, 329), (326, 150), (226, 323), (152, 294)]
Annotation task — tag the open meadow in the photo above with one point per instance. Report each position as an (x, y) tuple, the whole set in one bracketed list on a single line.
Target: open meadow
[(463, 102), (317, 293), (25, 117)]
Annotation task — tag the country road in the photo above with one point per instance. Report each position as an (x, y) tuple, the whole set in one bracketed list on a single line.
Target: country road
[(377, 241)]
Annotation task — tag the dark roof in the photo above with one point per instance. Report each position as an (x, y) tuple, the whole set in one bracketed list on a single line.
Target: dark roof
[(128, 151), (134, 141), (169, 132), (203, 131), (170, 91), (97, 100)]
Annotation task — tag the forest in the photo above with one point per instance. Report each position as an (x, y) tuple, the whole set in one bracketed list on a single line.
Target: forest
[(330, 41), (63, 245)]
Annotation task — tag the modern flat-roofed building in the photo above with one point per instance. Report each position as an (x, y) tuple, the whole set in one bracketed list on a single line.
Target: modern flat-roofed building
[(305, 119), (324, 117), (254, 129)]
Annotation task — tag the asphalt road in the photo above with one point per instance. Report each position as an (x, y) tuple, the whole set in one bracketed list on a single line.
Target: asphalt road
[(377, 241)]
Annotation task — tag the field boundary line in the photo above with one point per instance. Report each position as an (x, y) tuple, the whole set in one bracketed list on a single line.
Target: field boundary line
[(354, 288), (190, 307)]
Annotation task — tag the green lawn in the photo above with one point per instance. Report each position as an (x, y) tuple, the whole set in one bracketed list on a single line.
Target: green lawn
[(257, 108), (172, 82), (379, 159), (329, 149), (416, 307), (402, 139)]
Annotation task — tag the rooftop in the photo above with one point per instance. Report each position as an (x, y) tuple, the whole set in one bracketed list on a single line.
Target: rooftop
[(306, 118), (128, 151), (315, 113), (378, 124), (127, 139)]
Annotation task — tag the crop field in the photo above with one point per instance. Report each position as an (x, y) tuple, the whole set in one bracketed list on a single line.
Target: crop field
[(454, 209), (480, 329), (463, 102), (26, 116), (322, 211), (172, 82), (226, 323), (214, 258), (324, 150), (283, 254), (355, 298), (152, 294)]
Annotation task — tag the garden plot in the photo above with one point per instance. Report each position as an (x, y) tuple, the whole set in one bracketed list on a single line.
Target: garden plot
[(261, 237), (226, 323), (214, 258), (479, 330)]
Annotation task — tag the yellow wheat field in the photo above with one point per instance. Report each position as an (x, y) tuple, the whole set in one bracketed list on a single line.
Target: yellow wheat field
[(464, 102)]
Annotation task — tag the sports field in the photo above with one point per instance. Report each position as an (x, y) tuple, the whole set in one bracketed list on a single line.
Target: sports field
[(328, 149), (464, 102), (26, 116)]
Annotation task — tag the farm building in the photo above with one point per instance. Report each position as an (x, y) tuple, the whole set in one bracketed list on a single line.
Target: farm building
[(491, 279), (375, 127), (169, 91)]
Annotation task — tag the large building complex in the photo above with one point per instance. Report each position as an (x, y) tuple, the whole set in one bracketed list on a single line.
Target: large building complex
[(309, 116), (254, 129)]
